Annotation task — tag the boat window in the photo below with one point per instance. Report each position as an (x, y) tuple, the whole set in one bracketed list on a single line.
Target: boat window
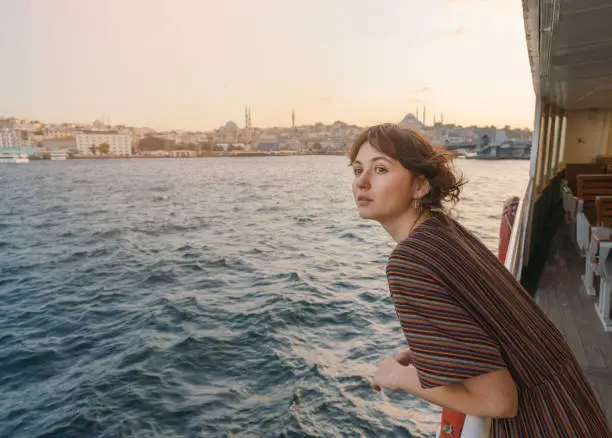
[(555, 146), (562, 142)]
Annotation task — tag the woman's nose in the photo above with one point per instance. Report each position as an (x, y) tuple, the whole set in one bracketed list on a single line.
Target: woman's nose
[(364, 180)]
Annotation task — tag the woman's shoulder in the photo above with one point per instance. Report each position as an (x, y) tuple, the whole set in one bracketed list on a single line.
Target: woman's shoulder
[(429, 237), (411, 268), (430, 245), (413, 253)]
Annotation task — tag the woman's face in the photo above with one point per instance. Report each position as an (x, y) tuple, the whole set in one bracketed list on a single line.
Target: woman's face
[(383, 189)]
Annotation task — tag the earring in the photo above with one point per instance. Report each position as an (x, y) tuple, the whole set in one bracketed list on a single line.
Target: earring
[(417, 205)]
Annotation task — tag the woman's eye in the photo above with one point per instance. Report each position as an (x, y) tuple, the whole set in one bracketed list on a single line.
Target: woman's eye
[(381, 170), (357, 171)]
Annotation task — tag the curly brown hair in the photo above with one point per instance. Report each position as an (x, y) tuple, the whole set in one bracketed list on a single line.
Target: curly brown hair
[(417, 155)]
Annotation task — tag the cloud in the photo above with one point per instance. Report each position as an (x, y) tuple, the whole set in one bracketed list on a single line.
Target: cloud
[(458, 32), (421, 90), (414, 101)]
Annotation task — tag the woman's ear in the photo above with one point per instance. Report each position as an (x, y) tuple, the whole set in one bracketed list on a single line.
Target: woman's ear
[(423, 187)]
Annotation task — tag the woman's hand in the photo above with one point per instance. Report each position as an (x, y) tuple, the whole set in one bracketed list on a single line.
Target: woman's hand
[(389, 374)]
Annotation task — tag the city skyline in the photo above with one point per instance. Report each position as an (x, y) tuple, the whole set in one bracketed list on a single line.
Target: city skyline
[(193, 65), (106, 123)]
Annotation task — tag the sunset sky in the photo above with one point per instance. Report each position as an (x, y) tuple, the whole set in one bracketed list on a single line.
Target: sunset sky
[(195, 64)]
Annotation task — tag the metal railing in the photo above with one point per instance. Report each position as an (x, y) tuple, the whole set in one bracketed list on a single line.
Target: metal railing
[(516, 247)]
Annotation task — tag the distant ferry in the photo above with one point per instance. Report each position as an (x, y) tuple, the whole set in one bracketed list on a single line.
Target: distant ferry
[(506, 151), (13, 159), (59, 155)]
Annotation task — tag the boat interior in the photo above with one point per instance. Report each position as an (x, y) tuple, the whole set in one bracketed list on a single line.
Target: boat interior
[(562, 235)]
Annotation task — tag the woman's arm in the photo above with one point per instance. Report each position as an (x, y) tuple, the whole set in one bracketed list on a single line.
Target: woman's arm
[(457, 362), (489, 395)]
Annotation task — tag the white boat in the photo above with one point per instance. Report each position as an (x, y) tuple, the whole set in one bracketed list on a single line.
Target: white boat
[(59, 155), (13, 159)]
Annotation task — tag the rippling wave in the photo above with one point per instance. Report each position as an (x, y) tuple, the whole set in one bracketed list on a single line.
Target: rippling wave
[(204, 297)]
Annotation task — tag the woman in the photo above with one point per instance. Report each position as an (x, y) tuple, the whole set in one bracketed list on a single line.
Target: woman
[(478, 343)]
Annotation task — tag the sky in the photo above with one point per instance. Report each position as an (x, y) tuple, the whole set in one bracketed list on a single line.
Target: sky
[(195, 64)]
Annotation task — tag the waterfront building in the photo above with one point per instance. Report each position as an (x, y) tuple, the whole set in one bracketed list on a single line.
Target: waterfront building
[(119, 143)]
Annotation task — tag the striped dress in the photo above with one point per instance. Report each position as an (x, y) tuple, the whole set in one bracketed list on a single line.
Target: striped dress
[(463, 315)]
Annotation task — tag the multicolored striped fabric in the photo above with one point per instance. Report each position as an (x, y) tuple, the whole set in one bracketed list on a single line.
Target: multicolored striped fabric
[(463, 315)]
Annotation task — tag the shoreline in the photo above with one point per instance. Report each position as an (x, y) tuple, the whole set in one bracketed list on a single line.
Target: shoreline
[(221, 155)]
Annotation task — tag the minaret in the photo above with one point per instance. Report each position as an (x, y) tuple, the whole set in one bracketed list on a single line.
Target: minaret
[(442, 119), (424, 116), (247, 123), (293, 119), (417, 113)]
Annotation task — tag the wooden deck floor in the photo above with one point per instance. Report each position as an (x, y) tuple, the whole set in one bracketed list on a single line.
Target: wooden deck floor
[(562, 296)]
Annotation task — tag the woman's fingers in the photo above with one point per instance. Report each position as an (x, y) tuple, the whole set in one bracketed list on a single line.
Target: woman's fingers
[(404, 357), (374, 385)]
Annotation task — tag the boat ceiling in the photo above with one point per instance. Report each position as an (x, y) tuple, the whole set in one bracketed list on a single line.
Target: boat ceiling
[(570, 51)]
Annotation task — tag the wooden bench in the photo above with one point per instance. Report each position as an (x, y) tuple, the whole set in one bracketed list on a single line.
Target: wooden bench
[(589, 187), (605, 160), (600, 231), (572, 170), (569, 188), (600, 265), (597, 263), (603, 211)]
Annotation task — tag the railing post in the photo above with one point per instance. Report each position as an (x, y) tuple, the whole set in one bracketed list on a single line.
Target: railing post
[(541, 146), (534, 170), (548, 143), (556, 141), (562, 140)]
